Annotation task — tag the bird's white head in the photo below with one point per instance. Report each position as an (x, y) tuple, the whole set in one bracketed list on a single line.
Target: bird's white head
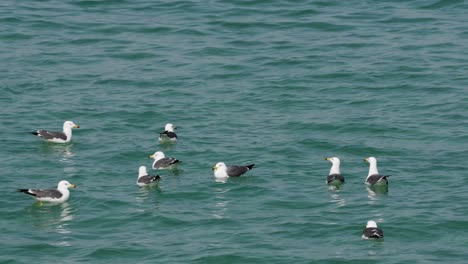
[(371, 224), (69, 125), (142, 171), (220, 170), (334, 160), (158, 155), (169, 127), (219, 165), (371, 160), (65, 185)]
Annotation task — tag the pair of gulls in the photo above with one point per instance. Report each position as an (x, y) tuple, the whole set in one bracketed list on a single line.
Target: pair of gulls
[(373, 177), (221, 170), (160, 162), (61, 194), (168, 135)]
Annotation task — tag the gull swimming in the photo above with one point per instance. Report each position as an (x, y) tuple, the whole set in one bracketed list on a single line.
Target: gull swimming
[(59, 195), (373, 177), (335, 177), (372, 231), (222, 170), (161, 162), (58, 137), (144, 179), (168, 136)]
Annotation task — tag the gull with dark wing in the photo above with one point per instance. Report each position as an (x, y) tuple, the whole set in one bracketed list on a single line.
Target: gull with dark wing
[(335, 177), (373, 177), (163, 162), (222, 170), (168, 135), (59, 195), (372, 231), (144, 179), (58, 137)]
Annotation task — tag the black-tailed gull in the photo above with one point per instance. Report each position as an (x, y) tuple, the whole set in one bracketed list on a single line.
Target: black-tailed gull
[(59, 195), (58, 137), (161, 162), (372, 231), (374, 178), (335, 177), (144, 179), (222, 170), (168, 135)]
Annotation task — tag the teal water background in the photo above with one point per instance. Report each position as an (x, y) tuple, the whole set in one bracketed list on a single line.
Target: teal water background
[(282, 84)]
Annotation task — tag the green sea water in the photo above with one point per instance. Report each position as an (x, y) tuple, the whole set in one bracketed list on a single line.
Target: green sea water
[(282, 84)]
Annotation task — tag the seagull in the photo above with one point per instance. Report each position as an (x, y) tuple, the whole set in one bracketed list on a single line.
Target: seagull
[(59, 195), (161, 162), (335, 177), (374, 178), (168, 136), (58, 137), (144, 179), (222, 170), (372, 231)]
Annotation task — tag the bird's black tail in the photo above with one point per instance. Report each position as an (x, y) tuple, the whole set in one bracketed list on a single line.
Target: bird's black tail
[(250, 166), (26, 191), (35, 133)]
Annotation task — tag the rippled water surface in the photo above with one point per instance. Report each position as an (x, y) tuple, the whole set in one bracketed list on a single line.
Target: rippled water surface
[(282, 84)]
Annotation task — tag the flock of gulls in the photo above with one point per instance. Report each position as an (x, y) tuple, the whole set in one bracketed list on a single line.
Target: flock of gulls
[(221, 171), (374, 180)]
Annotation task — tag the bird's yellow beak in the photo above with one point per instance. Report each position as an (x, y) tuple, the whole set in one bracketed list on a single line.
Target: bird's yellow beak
[(72, 186), (366, 160), (151, 156), (214, 168), (327, 158), (76, 126)]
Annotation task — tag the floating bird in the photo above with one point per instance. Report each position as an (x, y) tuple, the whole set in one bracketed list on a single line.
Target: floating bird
[(374, 178), (168, 136), (161, 162), (222, 170), (58, 137), (335, 177), (59, 195), (144, 179), (372, 231)]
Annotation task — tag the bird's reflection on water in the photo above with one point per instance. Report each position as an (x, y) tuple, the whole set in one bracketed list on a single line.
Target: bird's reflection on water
[(374, 192), (221, 202), (64, 151), (146, 192), (335, 195), (50, 216)]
